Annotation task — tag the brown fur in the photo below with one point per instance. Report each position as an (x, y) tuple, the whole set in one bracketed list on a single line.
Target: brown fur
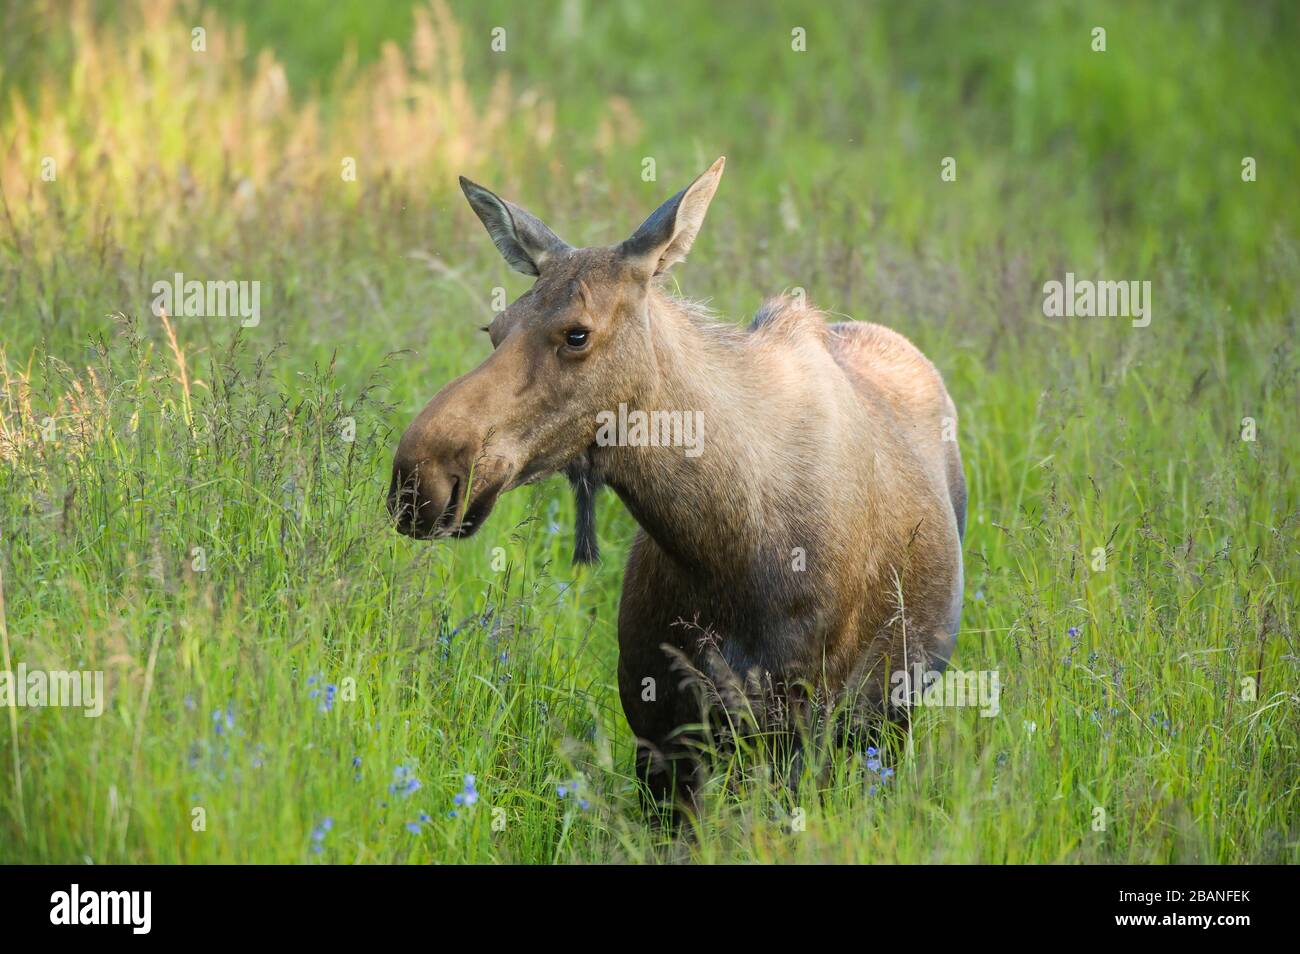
[(821, 440)]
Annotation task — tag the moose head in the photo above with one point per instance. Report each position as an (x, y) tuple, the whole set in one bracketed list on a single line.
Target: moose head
[(577, 343)]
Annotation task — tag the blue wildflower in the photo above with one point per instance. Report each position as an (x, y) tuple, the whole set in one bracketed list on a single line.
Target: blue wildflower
[(468, 795), (876, 765), (1163, 723), (414, 826), (573, 788), (404, 782), (222, 721), (319, 832), (326, 695)]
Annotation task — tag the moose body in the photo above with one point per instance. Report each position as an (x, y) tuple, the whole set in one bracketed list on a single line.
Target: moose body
[(810, 550)]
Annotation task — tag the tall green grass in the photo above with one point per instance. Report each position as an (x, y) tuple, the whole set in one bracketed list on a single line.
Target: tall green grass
[(493, 657)]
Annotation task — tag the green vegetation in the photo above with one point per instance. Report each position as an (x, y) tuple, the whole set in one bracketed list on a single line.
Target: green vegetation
[(127, 442)]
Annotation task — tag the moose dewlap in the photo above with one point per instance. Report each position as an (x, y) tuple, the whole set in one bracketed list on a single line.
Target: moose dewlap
[(797, 483)]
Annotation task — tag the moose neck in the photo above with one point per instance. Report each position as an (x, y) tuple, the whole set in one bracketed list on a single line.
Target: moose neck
[(724, 507)]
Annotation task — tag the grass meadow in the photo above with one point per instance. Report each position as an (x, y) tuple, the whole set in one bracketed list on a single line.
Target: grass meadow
[(196, 507)]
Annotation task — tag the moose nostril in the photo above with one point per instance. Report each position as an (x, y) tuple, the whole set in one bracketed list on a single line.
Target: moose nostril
[(424, 505), (402, 499)]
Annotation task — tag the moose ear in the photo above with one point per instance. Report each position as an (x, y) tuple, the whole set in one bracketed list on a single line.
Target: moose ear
[(522, 237), (666, 237)]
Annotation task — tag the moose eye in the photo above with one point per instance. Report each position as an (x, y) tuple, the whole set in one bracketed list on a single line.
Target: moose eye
[(576, 338)]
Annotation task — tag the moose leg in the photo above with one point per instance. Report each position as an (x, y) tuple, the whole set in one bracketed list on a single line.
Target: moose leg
[(671, 780)]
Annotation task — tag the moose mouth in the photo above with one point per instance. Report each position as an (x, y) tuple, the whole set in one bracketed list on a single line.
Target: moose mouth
[(456, 521), (475, 514)]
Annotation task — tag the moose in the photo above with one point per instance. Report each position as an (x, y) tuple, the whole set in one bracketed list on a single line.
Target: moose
[(813, 547)]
